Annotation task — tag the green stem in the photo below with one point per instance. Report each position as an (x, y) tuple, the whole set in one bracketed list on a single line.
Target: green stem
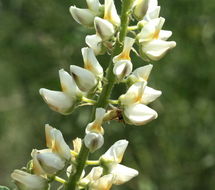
[(106, 91)]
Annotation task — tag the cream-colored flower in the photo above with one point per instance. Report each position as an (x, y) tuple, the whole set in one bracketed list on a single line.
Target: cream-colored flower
[(95, 173), (111, 159), (96, 125), (138, 114), (26, 181), (62, 101), (139, 93), (91, 63), (46, 162), (84, 79), (122, 62), (156, 49), (104, 28), (82, 16), (110, 13), (56, 142)]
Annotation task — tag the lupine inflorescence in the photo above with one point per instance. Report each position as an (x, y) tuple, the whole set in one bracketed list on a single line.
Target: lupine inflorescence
[(90, 85)]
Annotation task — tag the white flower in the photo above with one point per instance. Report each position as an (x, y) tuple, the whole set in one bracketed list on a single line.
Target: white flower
[(139, 93), (82, 16), (46, 162), (151, 30), (115, 152), (156, 49), (85, 79), (96, 125), (134, 103), (110, 13), (56, 142), (138, 114), (26, 181), (62, 101), (91, 63), (111, 159), (95, 42), (104, 28), (122, 174), (123, 65), (141, 73)]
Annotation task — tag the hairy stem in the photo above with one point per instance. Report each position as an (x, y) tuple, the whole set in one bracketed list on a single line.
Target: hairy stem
[(106, 91)]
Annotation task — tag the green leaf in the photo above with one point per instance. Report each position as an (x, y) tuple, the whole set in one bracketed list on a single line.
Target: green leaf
[(4, 188)]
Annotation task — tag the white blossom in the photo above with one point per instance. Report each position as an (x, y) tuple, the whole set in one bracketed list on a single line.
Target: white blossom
[(138, 114), (56, 142), (84, 79), (46, 162), (26, 181), (82, 16), (104, 28), (91, 63), (96, 125), (62, 101), (122, 62), (110, 13), (111, 159)]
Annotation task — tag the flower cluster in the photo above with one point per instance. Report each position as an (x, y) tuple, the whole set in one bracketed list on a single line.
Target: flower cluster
[(90, 85), (46, 164)]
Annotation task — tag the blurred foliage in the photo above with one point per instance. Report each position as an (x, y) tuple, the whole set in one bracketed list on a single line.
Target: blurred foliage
[(174, 152)]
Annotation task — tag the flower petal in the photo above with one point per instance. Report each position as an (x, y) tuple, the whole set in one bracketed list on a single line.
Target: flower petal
[(150, 95), (138, 114), (122, 174)]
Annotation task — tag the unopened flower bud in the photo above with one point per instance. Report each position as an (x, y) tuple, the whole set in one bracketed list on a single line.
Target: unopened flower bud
[(85, 79), (82, 16), (26, 181), (104, 28), (46, 162), (91, 63), (93, 141)]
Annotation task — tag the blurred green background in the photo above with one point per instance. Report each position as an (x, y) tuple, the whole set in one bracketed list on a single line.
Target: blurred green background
[(174, 152)]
